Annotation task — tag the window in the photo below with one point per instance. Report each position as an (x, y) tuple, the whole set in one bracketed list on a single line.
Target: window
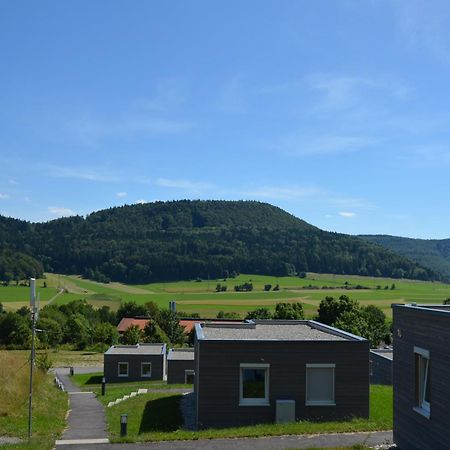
[(189, 376), (422, 381), (123, 369), (320, 384), (254, 384), (146, 369)]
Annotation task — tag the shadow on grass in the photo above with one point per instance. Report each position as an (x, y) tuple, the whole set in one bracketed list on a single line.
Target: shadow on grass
[(95, 379), (161, 414)]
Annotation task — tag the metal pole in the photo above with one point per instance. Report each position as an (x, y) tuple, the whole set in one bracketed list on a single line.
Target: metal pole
[(33, 334)]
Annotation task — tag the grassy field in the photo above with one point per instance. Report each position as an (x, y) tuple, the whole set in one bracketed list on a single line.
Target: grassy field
[(201, 297), (48, 422), (92, 382), (156, 416), (67, 358)]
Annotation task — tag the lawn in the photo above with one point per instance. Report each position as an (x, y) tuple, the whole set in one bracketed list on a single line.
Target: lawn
[(156, 416), (48, 422), (68, 358), (201, 297)]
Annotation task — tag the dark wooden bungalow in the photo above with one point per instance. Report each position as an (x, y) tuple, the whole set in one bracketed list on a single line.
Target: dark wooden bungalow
[(381, 366), (140, 362), (278, 371), (421, 376), (180, 366)]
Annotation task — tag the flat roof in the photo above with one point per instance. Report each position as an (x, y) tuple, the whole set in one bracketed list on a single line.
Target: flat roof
[(386, 353), (181, 354), (273, 330), (138, 349), (439, 309)]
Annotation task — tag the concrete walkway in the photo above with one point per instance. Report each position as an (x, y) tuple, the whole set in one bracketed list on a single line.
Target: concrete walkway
[(265, 443), (86, 421)]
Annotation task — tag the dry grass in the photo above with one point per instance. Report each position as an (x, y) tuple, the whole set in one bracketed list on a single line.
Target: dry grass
[(49, 404)]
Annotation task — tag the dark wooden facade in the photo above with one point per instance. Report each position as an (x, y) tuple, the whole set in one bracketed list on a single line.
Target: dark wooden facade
[(381, 367), (176, 368), (111, 362), (429, 329), (217, 380)]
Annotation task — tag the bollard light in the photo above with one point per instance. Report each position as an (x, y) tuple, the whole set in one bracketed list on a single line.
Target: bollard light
[(123, 424), (71, 371), (103, 386)]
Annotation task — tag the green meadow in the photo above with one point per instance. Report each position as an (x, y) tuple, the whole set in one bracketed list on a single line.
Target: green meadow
[(201, 296)]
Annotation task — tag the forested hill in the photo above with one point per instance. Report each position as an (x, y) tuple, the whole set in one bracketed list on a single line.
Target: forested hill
[(189, 239), (432, 253)]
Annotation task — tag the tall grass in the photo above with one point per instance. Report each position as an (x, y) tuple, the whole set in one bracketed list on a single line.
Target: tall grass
[(49, 404)]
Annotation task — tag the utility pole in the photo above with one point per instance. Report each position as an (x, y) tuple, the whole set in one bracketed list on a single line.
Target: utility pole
[(34, 310)]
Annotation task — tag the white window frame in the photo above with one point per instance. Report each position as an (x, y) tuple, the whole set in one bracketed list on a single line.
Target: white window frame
[(254, 401), (142, 373), (118, 369), (188, 372), (321, 402), (421, 405)]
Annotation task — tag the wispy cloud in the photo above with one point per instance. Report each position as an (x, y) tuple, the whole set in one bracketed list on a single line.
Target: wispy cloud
[(81, 173), (90, 130), (282, 193), (344, 92), (121, 194), (61, 211), (347, 214), (169, 94), (233, 96), (3, 196), (184, 184), (424, 25), (141, 201), (300, 145)]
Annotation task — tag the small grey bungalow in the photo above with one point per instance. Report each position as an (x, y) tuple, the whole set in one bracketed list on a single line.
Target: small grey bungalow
[(180, 366), (140, 362), (278, 371), (421, 376), (381, 366)]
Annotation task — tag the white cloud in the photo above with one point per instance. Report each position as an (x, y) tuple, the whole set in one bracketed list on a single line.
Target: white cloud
[(141, 201), (300, 145), (81, 174), (3, 196), (424, 25), (121, 194), (347, 214), (61, 211), (282, 193), (184, 184)]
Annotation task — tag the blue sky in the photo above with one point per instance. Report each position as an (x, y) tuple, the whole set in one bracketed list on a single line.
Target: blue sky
[(338, 112)]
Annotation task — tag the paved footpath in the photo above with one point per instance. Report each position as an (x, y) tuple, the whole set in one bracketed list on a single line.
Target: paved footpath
[(267, 443), (86, 421)]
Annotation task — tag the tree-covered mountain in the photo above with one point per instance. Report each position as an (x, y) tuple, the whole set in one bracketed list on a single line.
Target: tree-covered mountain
[(432, 253), (189, 239), (18, 266)]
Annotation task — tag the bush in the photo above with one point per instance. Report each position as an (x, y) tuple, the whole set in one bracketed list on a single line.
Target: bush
[(43, 362)]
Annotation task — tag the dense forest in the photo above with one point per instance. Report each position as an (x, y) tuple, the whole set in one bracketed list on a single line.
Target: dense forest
[(16, 266), (432, 253), (197, 239)]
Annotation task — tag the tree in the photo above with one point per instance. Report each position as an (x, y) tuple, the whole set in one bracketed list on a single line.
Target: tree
[(152, 309), (353, 322), (331, 309), (447, 301), (260, 314), (267, 287), (130, 309), (227, 315), (169, 323), (106, 333), (52, 333), (153, 333), (289, 311), (131, 336), (78, 331), (377, 326)]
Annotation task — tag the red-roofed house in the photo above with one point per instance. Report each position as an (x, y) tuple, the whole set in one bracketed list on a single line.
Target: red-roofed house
[(127, 322)]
